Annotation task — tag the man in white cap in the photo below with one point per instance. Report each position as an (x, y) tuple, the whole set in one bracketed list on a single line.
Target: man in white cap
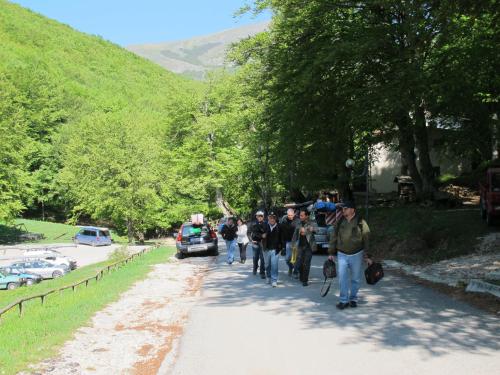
[(256, 234)]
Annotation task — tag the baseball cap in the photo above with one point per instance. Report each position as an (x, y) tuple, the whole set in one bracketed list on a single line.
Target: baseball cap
[(349, 204), (272, 214), (259, 213)]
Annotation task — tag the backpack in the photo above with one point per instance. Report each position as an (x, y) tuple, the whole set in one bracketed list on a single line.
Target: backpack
[(330, 272), (374, 273)]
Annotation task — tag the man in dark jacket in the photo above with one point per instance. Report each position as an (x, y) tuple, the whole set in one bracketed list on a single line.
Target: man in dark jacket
[(287, 226), (255, 234), (272, 249), (350, 239), (304, 238), (229, 234)]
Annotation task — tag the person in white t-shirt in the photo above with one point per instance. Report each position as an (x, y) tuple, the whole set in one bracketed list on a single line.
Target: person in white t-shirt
[(242, 239)]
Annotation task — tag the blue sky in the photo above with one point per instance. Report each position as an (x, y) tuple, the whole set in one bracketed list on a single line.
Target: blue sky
[(128, 22)]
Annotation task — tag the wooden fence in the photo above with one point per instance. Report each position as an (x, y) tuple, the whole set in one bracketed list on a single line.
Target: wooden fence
[(98, 276)]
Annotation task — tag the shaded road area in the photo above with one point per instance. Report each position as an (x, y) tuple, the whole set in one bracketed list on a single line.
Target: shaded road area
[(243, 326)]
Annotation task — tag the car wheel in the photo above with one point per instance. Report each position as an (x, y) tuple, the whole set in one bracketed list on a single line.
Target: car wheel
[(180, 255), (94, 244), (214, 252), (12, 286), (56, 274), (30, 282)]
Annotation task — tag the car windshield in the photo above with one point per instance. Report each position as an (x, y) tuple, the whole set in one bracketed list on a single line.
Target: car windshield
[(3, 273), (104, 233)]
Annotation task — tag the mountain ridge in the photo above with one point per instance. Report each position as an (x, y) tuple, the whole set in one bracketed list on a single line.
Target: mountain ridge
[(196, 56)]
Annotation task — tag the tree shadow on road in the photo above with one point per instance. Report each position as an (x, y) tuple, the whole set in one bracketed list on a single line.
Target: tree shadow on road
[(396, 313)]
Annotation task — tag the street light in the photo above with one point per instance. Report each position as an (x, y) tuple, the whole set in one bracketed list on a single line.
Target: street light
[(349, 163)]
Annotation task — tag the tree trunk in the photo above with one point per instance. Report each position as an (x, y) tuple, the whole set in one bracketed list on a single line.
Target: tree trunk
[(222, 204), (407, 150), (422, 139), (130, 230)]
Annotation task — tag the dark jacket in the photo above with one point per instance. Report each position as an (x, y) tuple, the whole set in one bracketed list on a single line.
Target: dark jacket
[(273, 238), (256, 230), (229, 233), (311, 227), (287, 227)]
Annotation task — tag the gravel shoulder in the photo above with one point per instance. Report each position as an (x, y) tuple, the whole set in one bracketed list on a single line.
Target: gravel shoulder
[(138, 333)]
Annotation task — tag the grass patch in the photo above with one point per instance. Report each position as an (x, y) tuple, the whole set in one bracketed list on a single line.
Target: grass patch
[(416, 235), (52, 232), (43, 329)]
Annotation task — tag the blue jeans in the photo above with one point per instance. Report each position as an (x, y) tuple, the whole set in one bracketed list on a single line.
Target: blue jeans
[(288, 255), (271, 262), (231, 247), (258, 255), (349, 267)]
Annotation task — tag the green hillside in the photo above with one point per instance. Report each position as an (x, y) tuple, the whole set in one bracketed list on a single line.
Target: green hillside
[(95, 71), (86, 126)]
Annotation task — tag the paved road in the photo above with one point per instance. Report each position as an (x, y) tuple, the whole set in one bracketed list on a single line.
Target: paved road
[(243, 326)]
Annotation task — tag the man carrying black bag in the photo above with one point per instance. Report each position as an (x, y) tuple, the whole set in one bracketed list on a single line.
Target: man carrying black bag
[(349, 241)]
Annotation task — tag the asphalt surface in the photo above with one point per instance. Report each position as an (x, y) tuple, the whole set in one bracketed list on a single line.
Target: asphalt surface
[(243, 326)]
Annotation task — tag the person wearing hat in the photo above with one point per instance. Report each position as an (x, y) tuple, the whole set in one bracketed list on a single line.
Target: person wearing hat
[(349, 241), (256, 234), (272, 249)]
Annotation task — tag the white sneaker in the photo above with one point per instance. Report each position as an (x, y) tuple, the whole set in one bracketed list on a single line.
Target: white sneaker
[(268, 280), (275, 284)]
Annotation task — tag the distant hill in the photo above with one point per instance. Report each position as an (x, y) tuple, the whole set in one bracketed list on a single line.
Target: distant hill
[(90, 72), (194, 57)]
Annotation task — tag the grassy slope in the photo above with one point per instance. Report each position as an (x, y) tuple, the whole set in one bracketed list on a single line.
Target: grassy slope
[(92, 71), (44, 329), (423, 235)]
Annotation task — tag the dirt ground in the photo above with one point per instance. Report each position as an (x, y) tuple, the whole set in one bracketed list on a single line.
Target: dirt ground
[(139, 332)]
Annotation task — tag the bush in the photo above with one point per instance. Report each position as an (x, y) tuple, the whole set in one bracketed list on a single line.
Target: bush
[(119, 254)]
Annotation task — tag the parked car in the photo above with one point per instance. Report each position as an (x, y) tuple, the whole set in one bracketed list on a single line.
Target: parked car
[(51, 256), (93, 236), (30, 278), (40, 267), (10, 282), (489, 190), (196, 238)]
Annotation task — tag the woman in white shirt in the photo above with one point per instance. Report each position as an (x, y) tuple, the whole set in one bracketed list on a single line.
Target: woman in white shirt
[(242, 240)]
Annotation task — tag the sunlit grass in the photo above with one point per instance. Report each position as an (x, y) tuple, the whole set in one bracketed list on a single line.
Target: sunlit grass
[(44, 328)]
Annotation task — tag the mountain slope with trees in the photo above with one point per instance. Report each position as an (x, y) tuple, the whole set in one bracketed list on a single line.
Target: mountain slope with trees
[(90, 131)]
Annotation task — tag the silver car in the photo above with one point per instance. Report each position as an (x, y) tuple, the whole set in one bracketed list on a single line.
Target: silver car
[(51, 256), (41, 267)]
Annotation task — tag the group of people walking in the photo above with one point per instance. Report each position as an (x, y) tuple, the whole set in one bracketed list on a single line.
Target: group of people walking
[(294, 237)]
